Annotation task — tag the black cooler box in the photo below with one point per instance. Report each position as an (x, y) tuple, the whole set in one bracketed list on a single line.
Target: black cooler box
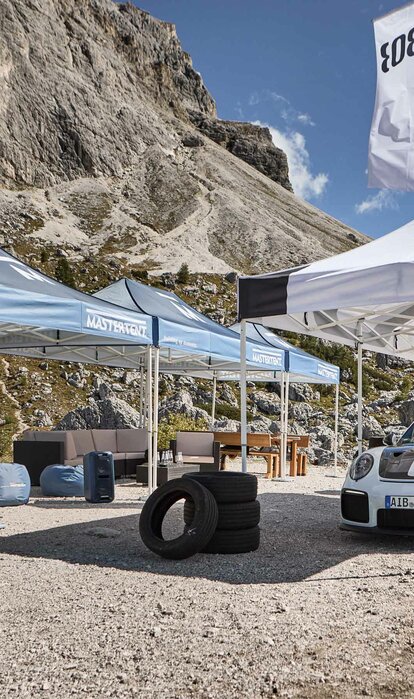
[(99, 475)]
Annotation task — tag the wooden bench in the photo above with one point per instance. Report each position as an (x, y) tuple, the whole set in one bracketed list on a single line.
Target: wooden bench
[(231, 446)]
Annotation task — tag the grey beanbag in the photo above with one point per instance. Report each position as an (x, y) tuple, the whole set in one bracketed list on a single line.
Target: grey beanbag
[(14, 485), (62, 481)]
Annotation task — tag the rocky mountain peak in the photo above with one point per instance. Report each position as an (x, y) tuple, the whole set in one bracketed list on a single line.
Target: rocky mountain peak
[(110, 145)]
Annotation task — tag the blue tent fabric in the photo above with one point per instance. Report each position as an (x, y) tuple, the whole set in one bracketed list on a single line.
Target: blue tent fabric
[(14, 485), (62, 481), (181, 327), (38, 310), (302, 366)]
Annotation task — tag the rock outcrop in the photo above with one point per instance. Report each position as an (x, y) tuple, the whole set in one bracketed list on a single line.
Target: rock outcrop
[(251, 143)]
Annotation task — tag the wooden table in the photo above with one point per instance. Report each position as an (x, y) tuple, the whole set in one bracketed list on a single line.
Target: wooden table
[(231, 446)]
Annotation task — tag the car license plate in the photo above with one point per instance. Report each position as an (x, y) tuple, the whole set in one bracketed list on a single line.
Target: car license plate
[(399, 502)]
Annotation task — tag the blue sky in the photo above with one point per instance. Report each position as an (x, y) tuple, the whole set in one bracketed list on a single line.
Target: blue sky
[(305, 68)]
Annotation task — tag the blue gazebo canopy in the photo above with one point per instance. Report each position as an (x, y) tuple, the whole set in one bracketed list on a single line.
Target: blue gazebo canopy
[(195, 341), (301, 366)]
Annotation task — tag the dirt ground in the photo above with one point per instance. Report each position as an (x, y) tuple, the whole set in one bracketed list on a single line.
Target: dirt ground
[(87, 611)]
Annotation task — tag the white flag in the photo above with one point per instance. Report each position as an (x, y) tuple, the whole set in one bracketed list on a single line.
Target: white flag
[(391, 144)]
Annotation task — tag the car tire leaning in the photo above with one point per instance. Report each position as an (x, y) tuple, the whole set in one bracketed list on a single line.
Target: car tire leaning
[(194, 537)]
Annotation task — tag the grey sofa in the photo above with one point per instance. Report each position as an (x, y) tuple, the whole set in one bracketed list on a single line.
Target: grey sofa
[(198, 448), (36, 450)]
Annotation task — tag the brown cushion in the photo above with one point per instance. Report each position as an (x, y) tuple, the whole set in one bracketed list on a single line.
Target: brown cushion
[(195, 443), (58, 436), (105, 440), (83, 441), (132, 440)]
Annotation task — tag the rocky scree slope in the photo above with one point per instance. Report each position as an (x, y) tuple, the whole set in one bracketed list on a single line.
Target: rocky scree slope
[(110, 144)]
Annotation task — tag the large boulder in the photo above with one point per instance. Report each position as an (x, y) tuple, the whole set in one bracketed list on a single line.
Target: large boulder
[(265, 402), (181, 403), (106, 412), (406, 411)]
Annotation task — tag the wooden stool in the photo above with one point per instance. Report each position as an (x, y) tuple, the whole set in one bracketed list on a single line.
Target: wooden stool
[(269, 472), (293, 460), (276, 465), (302, 464)]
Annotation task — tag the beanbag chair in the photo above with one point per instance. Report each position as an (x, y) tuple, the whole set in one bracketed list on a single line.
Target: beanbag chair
[(14, 485), (62, 481)]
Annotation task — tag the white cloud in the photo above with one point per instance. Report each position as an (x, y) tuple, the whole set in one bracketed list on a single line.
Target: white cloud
[(384, 199), (305, 184), (286, 111), (305, 119)]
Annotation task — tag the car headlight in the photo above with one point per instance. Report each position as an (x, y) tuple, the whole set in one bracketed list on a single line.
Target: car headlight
[(361, 466)]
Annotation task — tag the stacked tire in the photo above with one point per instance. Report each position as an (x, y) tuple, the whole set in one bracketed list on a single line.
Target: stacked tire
[(221, 515), (238, 519)]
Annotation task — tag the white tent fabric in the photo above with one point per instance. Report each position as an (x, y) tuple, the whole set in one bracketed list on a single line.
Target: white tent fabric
[(365, 295), (362, 298)]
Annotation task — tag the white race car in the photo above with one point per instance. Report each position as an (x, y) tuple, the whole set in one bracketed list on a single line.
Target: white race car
[(378, 492)]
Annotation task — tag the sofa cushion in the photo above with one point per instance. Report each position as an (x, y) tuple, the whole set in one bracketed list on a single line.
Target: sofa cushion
[(188, 459), (135, 455), (132, 440), (105, 440), (83, 441), (59, 436), (74, 462), (195, 443)]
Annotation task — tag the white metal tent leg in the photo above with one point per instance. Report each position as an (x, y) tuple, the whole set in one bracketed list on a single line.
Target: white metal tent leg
[(243, 396), (155, 418), (282, 425), (359, 398), (149, 416), (286, 422), (213, 403), (141, 398), (336, 429)]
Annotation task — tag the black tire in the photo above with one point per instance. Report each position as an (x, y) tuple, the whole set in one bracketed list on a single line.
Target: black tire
[(231, 515), (227, 486), (236, 541), (196, 536)]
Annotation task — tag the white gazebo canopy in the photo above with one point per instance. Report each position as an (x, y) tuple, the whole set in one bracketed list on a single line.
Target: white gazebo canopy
[(362, 298)]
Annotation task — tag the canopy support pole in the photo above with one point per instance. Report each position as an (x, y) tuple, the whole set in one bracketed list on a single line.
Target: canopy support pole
[(155, 418), (213, 404), (149, 416), (243, 395), (282, 426), (286, 419), (359, 373), (141, 398), (336, 430), (284, 408)]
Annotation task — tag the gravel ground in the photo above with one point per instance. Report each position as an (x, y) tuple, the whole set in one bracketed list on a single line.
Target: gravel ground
[(87, 611)]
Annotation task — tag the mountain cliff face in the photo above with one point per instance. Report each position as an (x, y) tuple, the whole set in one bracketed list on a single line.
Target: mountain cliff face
[(110, 144)]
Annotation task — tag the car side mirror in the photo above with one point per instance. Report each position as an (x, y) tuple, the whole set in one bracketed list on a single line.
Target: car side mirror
[(390, 439)]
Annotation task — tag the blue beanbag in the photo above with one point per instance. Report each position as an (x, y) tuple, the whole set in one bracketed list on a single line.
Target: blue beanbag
[(62, 481), (14, 485)]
